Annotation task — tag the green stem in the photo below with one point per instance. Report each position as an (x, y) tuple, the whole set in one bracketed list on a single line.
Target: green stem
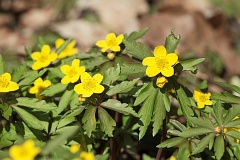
[(85, 148)]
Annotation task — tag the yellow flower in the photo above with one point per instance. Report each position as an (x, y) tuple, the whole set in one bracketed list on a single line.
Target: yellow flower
[(68, 51), (112, 42), (172, 158), (6, 85), (43, 58), (161, 81), (89, 85), (39, 86), (74, 148), (201, 98), (26, 151), (160, 63), (72, 73)]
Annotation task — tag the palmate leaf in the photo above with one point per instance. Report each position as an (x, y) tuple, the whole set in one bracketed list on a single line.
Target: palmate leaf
[(146, 112), (144, 93), (54, 89), (226, 97), (171, 142), (132, 68), (107, 123), (137, 49), (18, 72), (123, 87), (233, 124), (171, 42), (159, 112), (7, 136), (230, 86), (136, 35), (111, 75), (192, 132), (89, 119), (117, 106), (233, 133), (219, 147)]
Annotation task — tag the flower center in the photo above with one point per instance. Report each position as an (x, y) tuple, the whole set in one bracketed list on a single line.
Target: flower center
[(43, 58), (161, 63), (111, 42), (23, 152), (89, 84), (71, 72), (3, 82), (203, 98)]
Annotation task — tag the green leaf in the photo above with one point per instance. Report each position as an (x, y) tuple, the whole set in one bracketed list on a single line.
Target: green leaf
[(173, 132), (2, 66), (146, 112), (171, 142), (123, 87), (217, 113), (225, 97), (145, 92), (219, 147), (231, 114), (93, 62), (30, 76), (203, 122), (28, 118), (8, 135), (18, 72), (56, 72), (6, 110), (171, 42), (203, 85), (233, 133), (230, 86), (232, 124), (106, 121), (54, 89), (64, 101), (132, 68), (136, 35), (190, 65), (137, 49), (111, 75), (159, 112), (34, 103), (202, 144), (116, 105), (89, 120), (166, 101), (177, 125), (184, 151), (192, 132), (63, 46)]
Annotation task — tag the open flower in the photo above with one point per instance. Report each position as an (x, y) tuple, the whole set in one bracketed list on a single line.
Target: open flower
[(89, 85), (160, 63), (201, 98), (69, 50), (26, 151), (43, 58), (6, 85), (39, 86), (112, 42), (73, 72), (161, 81)]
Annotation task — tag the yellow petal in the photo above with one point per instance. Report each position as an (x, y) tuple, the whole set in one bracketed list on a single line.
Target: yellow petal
[(81, 70), (101, 43), (59, 42), (6, 76), (115, 48), (160, 51), (47, 83), (98, 78), (38, 81), (200, 105), (72, 44), (74, 78), (46, 49), (36, 66), (64, 69), (104, 49), (78, 88), (12, 86), (85, 76), (53, 57), (172, 58), (208, 102), (65, 80), (110, 36), (76, 63), (168, 72), (33, 90), (99, 89), (149, 61), (35, 55), (86, 93), (120, 39), (152, 71)]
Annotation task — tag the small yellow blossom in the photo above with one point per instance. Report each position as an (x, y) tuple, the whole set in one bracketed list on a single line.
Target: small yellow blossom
[(201, 98), (161, 81), (26, 151), (172, 158), (111, 56), (6, 85), (81, 98), (44, 58), (89, 85), (74, 148), (72, 73), (68, 51), (85, 156), (217, 129), (112, 42), (39, 86), (160, 63)]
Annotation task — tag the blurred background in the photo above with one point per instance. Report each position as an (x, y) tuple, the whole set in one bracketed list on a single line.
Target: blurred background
[(208, 28)]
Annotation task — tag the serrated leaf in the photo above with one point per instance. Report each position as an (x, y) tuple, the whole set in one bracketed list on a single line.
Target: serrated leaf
[(35, 103), (171, 42), (137, 49), (177, 125), (111, 75), (2, 66), (18, 72), (63, 46), (202, 144), (146, 112), (54, 89), (192, 132), (89, 120), (30, 76), (132, 68), (217, 113), (203, 122), (116, 105), (28, 118), (136, 35), (107, 123), (167, 103), (226, 97), (219, 147), (171, 142), (159, 112), (184, 151), (145, 92), (231, 114), (64, 101), (189, 65), (6, 110), (123, 87), (173, 132), (230, 86)]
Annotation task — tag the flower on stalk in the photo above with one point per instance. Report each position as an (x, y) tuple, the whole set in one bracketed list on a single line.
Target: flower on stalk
[(69, 50), (112, 42), (26, 151), (160, 63), (39, 86), (89, 85), (6, 85), (43, 58), (161, 81), (201, 98), (73, 72)]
